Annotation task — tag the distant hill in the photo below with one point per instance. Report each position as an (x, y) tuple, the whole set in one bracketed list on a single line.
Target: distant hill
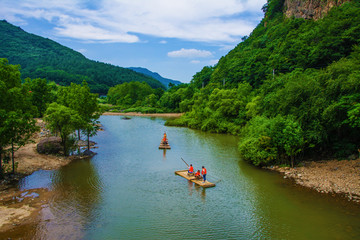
[(43, 58), (155, 75)]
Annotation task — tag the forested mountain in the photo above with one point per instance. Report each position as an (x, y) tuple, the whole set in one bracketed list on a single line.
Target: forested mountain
[(289, 90), (43, 58), (155, 75), (282, 43)]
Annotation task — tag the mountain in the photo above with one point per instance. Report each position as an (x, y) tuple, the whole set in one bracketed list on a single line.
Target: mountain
[(155, 75), (43, 58), (294, 34)]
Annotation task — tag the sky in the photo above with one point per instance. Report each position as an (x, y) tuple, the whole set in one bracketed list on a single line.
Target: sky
[(175, 38)]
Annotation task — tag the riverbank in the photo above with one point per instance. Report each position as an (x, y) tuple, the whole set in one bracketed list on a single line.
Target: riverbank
[(171, 115), (333, 177), (23, 207)]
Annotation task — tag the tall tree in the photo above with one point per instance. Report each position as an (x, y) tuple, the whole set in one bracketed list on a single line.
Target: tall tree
[(80, 99), (19, 127), (16, 125)]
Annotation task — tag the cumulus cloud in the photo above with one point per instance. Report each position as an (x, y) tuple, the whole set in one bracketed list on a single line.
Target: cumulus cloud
[(122, 20), (189, 53)]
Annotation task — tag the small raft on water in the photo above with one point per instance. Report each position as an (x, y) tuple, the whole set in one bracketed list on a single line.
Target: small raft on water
[(184, 174), (164, 145)]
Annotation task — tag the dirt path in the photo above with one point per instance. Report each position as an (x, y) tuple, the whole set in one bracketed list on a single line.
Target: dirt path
[(340, 177)]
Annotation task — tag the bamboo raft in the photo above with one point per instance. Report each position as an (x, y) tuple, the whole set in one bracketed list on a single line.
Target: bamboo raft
[(184, 174), (164, 145)]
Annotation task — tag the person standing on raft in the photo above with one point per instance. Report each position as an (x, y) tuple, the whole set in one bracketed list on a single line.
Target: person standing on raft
[(164, 140), (203, 173)]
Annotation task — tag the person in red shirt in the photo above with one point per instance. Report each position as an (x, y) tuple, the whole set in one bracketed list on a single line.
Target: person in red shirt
[(164, 140), (203, 173), (191, 169), (197, 174)]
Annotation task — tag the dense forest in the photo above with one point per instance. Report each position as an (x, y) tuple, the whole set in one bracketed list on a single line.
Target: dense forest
[(65, 109), (43, 58), (290, 90)]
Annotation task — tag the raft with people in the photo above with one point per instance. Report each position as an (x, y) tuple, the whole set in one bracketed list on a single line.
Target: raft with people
[(192, 178)]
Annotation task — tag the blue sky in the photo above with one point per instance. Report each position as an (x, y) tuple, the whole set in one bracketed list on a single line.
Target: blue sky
[(175, 38)]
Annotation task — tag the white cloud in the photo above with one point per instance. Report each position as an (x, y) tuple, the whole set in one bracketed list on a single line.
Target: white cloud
[(163, 42), (195, 61), (189, 53), (213, 62), (96, 34), (120, 20)]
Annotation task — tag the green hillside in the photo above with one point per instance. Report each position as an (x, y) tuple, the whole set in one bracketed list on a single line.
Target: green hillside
[(43, 58), (290, 90)]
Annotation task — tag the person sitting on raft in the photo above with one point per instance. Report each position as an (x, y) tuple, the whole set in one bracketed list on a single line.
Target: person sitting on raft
[(191, 170), (197, 175)]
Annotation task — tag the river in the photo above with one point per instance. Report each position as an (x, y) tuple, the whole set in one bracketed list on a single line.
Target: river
[(129, 191)]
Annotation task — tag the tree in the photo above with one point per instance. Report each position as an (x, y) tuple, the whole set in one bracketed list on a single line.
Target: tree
[(80, 99), (16, 123), (40, 93), (62, 120), (19, 127)]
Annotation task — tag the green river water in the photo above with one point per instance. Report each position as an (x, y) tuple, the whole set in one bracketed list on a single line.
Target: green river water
[(129, 191)]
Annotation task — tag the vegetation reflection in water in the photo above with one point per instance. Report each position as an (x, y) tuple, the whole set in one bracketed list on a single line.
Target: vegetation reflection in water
[(129, 191)]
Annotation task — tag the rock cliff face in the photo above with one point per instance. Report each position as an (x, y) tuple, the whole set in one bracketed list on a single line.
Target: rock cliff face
[(310, 9)]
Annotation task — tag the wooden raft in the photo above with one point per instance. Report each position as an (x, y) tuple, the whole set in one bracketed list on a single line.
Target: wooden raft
[(184, 174), (164, 145)]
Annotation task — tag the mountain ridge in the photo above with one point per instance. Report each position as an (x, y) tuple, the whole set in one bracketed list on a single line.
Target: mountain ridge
[(155, 75), (40, 57)]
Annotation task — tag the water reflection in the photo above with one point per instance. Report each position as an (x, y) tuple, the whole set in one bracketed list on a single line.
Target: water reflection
[(77, 192), (164, 154), (199, 191)]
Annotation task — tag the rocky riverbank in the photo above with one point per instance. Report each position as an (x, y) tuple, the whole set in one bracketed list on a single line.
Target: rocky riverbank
[(336, 177)]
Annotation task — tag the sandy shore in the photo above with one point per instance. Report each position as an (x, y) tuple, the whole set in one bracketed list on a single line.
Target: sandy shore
[(175, 115), (336, 177)]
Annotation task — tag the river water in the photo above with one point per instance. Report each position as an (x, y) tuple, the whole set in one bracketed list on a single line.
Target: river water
[(129, 191)]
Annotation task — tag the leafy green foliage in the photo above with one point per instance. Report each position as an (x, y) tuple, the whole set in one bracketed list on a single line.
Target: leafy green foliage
[(265, 140), (16, 123), (132, 94), (78, 98), (62, 120), (284, 44), (40, 94)]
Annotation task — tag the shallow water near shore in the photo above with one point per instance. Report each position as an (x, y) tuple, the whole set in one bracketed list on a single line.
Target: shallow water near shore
[(129, 191)]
